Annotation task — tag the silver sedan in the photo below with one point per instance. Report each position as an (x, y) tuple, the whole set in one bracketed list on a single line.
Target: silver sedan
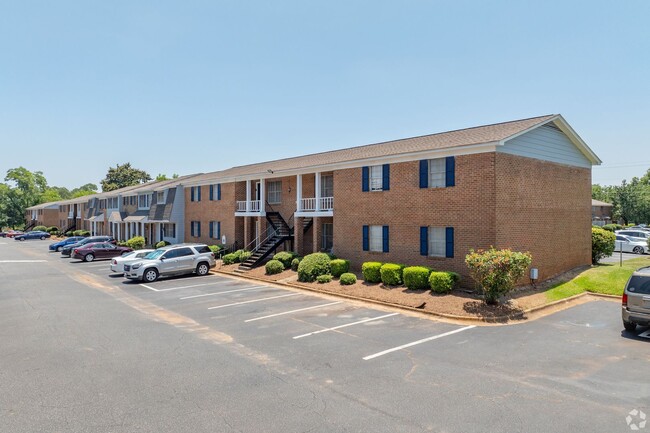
[(630, 245), (117, 264)]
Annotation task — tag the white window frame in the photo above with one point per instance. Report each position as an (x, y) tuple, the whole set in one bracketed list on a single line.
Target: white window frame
[(194, 225), (437, 173), (327, 185), (169, 227), (327, 233), (160, 194), (376, 178), (376, 239), (274, 192), (437, 242), (216, 235), (147, 200)]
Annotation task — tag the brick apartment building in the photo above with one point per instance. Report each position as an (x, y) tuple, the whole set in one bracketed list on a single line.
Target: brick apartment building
[(601, 212), (426, 200)]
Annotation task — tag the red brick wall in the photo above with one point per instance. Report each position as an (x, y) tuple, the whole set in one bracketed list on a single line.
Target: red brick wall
[(544, 208), (208, 210), (468, 207)]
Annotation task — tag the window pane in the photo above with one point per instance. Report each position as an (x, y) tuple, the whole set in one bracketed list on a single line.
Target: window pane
[(274, 191), (376, 236), (376, 175), (437, 173), (327, 241), (437, 242), (327, 186)]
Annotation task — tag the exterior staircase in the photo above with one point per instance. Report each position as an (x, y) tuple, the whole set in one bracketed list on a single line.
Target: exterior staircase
[(70, 227), (282, 233), (306, 224), (31, 225)]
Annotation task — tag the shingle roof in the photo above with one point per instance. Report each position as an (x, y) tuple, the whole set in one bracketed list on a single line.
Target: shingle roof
[(444, 140), (595, 202)]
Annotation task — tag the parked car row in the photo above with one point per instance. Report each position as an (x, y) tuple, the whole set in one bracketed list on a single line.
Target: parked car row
[(23, 236), (629, 244)]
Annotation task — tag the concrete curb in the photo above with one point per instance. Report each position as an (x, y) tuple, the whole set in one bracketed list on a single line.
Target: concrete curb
[(502, 320)]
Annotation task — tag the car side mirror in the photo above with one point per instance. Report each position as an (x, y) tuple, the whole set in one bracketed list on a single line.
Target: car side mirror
[(161, 259)]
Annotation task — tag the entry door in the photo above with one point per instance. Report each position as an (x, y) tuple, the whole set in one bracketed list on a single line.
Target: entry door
[(257, 191)]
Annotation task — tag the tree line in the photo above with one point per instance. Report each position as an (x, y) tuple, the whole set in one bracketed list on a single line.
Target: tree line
[(23, 188), (630, 200)]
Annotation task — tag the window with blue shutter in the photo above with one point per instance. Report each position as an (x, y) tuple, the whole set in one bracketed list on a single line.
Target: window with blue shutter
[(424, 241), (424, 173), (218, 230), (365, 179), (449, 236), (199, 193), (198, 224), (218, 191), (385, 238), (385, 184), (211, 228), (450, 171), (211, 194), (366, 238)]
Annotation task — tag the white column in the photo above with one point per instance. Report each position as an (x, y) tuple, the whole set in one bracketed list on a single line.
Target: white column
[(299, 193), (119, 237), (262, 196), (317, 190), (248, 196)]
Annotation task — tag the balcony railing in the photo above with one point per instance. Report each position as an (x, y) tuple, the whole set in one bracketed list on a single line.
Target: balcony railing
[(255, 206), (70, 215), (309, 204)]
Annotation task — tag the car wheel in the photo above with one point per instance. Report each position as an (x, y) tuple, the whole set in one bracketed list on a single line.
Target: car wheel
[(202, 269), (638, 250), (58, 249), (42, 238), (150, 275), (629, 326), (89, 257), (22, 239)]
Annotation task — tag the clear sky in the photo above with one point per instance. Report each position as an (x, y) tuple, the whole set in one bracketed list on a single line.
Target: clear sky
[(197, 86)]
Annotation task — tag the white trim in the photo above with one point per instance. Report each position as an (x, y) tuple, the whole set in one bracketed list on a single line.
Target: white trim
[(309, 214)]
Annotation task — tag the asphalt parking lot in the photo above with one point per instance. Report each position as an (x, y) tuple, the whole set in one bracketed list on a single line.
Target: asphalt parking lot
[(269, 358)]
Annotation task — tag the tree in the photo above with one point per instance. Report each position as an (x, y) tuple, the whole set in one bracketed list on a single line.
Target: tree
[(122, 176), (161, 177)]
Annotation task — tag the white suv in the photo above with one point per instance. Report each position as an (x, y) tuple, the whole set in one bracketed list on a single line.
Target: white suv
[(172, 260)]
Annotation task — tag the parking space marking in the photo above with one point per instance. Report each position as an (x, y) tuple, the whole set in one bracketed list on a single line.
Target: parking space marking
[(645, 334), (221, 293), (292, 311), (344, 326), (23, 261), (182, 287), (424, 340), (253, 300), (100, 265)]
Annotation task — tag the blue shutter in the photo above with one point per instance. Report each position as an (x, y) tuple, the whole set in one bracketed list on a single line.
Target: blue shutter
[(424, 241), (191, 193), (385, 238), (192, 229), (198, 228), (450, 171), (218, 191), (211, 227), (385, 184), (424, 173), (366, 238), (449, 238), (219, 230), (211, 192), (199, 199), (365, 179)]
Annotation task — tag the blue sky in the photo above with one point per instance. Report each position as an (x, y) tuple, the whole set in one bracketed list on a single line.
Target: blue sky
[(198, 86)]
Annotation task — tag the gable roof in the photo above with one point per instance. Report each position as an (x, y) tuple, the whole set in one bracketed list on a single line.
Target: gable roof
[(595, 202), (493, 134)]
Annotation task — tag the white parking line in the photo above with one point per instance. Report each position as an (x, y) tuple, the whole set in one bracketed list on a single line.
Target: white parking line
[(221, 293), (424, 340), (99, 265), (182, 287), (23, 261), (344, 326), (254, 300), (292, 311)]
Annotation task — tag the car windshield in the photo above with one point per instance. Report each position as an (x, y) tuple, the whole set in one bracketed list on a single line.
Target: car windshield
[(154, 254), (639, 284)]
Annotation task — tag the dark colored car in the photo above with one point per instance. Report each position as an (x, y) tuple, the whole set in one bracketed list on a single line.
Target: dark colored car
[(56, 246), (99, 251), (11, 233), (67, 250), (32, 235)]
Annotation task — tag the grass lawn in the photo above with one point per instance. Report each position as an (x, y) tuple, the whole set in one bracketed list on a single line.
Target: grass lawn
[(607, 278)]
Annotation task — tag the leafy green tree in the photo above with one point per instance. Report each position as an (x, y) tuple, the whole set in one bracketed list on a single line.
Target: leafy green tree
[(161, 177), (122, 176), (49, 195)]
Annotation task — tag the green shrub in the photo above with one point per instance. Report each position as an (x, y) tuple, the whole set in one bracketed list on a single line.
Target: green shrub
[(416, 277), (332, 256), (135, 243), (455, 277), (52, 230), (215, 248), (274, 267), (391, 274), (84, 233), (312, 266), (162, 244), (348, 279), (602, 244), (339, 267), (294, 263), (245, 255), (285, 257), (497, 271), (612, 227), (39, 229), (230, 259), (371, 272), (441, 282), (325, 278)]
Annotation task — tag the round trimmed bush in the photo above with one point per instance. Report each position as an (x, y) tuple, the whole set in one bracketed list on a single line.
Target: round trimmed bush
[(294, 263), (339, 267), (52, 230), (162, 244), (312, 266), (371, 272), (325, 278), (348, 279), (285, 257), (391, 274), (441, 282), (416, 277), (274, 267), (135, 243), (603, 243), (244, 255), (39, 229), (230, 259)]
